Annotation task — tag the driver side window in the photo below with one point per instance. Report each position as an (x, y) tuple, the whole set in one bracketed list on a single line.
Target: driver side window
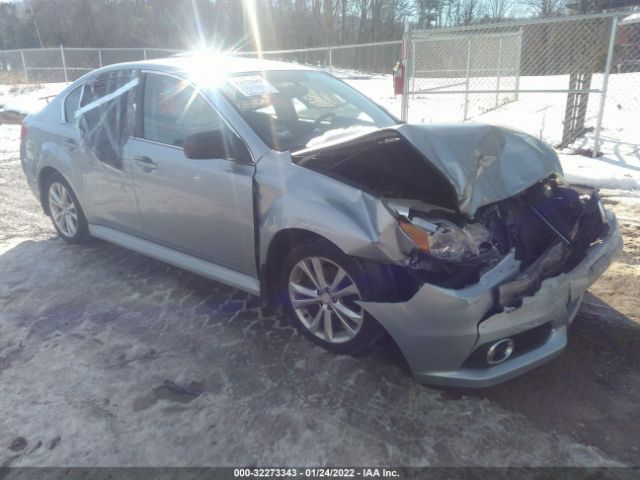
[(174, 110)]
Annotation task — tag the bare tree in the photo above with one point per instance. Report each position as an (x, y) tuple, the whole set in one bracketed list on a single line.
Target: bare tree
[(343, 21), (545, 8), (497, 10), (468, 11), (183, 24)]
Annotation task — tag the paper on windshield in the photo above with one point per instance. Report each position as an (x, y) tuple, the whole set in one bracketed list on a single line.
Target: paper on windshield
[(252, 85)]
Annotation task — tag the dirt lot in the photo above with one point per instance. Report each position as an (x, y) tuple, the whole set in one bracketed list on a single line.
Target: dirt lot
[(111, 358)]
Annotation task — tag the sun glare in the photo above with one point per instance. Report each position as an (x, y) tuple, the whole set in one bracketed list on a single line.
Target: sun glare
[(252, 19), (209, 52)]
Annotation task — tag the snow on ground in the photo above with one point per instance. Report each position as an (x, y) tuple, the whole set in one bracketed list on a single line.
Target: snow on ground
[(541, 115), (27, 98), (604, 172), (631, 19), (111, 358), (538, 114)]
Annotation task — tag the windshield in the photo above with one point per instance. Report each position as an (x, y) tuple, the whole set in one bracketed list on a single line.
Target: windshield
[(293, 109)]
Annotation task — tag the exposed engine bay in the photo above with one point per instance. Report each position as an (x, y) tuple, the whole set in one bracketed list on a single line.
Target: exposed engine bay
[(549, 227), (489, 192), (386, 166)]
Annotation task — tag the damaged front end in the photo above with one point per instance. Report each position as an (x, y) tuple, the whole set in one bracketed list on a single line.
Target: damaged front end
[(494, 295), (501, 249), (548, 228)]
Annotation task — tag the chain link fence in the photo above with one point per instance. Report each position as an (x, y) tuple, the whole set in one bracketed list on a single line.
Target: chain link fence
[(621, 117), (570, 81), (365, 58), (444, 61), (67, 64)]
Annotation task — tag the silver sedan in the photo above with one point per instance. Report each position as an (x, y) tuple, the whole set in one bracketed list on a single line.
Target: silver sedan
[(461, 242)]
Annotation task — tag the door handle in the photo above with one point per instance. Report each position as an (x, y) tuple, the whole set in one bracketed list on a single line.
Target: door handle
[(146, 163)]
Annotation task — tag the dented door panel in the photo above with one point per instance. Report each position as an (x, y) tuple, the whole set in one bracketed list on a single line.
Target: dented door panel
[(289, 196)]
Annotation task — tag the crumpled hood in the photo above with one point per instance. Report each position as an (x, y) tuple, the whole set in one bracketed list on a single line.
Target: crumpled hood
[(484, 163)]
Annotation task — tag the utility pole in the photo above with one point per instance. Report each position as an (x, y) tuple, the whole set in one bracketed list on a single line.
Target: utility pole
[(245, 20), (35, 22)]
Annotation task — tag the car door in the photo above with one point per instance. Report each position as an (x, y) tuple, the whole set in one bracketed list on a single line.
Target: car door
[(202, 207), (105, 123)]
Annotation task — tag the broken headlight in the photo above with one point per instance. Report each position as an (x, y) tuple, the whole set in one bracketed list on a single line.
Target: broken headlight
[(445, 240)]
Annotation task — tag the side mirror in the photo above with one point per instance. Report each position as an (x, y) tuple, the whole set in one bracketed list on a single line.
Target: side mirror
[(215, 144)]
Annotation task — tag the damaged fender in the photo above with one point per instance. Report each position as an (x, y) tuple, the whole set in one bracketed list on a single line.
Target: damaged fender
[(292, 197)]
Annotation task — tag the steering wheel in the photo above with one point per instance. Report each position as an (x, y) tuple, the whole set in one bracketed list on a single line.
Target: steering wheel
[(325, 116)]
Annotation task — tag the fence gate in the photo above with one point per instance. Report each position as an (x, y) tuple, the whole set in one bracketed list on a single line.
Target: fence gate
[(441, 61), (548, 77)]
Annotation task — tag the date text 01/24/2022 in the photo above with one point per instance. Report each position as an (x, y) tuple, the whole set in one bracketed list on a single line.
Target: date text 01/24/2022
[(315, 472)]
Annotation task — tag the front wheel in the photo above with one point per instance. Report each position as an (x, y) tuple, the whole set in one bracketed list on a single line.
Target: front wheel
[(66, 214), (323, 285)]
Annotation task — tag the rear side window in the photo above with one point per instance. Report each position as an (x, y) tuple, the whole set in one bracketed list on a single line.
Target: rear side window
[(107, 114), (173, 110), (72, 105)]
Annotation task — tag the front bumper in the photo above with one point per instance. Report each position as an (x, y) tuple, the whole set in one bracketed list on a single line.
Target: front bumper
[(439, 329)]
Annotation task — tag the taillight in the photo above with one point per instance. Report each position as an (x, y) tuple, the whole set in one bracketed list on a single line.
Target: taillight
[(23, 130)]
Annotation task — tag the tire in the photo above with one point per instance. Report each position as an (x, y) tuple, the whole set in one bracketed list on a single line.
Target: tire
[(64, 209), (351, 329)]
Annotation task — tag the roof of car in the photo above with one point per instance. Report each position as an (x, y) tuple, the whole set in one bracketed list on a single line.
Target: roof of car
[(224, 63), (196, 63)]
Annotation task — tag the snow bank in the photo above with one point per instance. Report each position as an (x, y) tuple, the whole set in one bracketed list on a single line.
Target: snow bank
[(631, 19), (603, 172), (27, 99)]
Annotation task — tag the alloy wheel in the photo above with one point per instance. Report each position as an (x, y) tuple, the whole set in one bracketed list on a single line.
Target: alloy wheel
[(63, 209), (323, 297)]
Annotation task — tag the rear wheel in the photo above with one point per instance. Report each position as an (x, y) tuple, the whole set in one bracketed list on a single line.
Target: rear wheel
[(66, 214), (323, 285)]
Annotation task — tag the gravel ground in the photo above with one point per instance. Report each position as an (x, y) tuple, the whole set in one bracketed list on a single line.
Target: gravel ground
[(110, 358)]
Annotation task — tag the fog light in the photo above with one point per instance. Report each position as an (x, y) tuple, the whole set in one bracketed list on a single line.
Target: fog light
[(500, 351)]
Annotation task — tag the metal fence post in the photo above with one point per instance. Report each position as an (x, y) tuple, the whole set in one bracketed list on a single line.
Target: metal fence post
[(64, 64), (24, 66), (413, 66), (468, 73), (499, 67), (330, 58), (144, 52), (404, 106), (100, 57), (518, 63), (605, 85)]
